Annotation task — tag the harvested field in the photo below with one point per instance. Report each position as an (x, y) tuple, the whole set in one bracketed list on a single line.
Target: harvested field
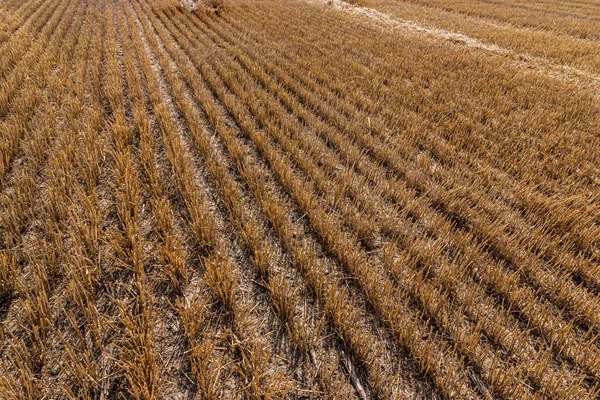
[(300, 199)]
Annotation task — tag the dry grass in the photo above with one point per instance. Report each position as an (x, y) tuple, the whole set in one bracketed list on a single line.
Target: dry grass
[(266, 200)]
